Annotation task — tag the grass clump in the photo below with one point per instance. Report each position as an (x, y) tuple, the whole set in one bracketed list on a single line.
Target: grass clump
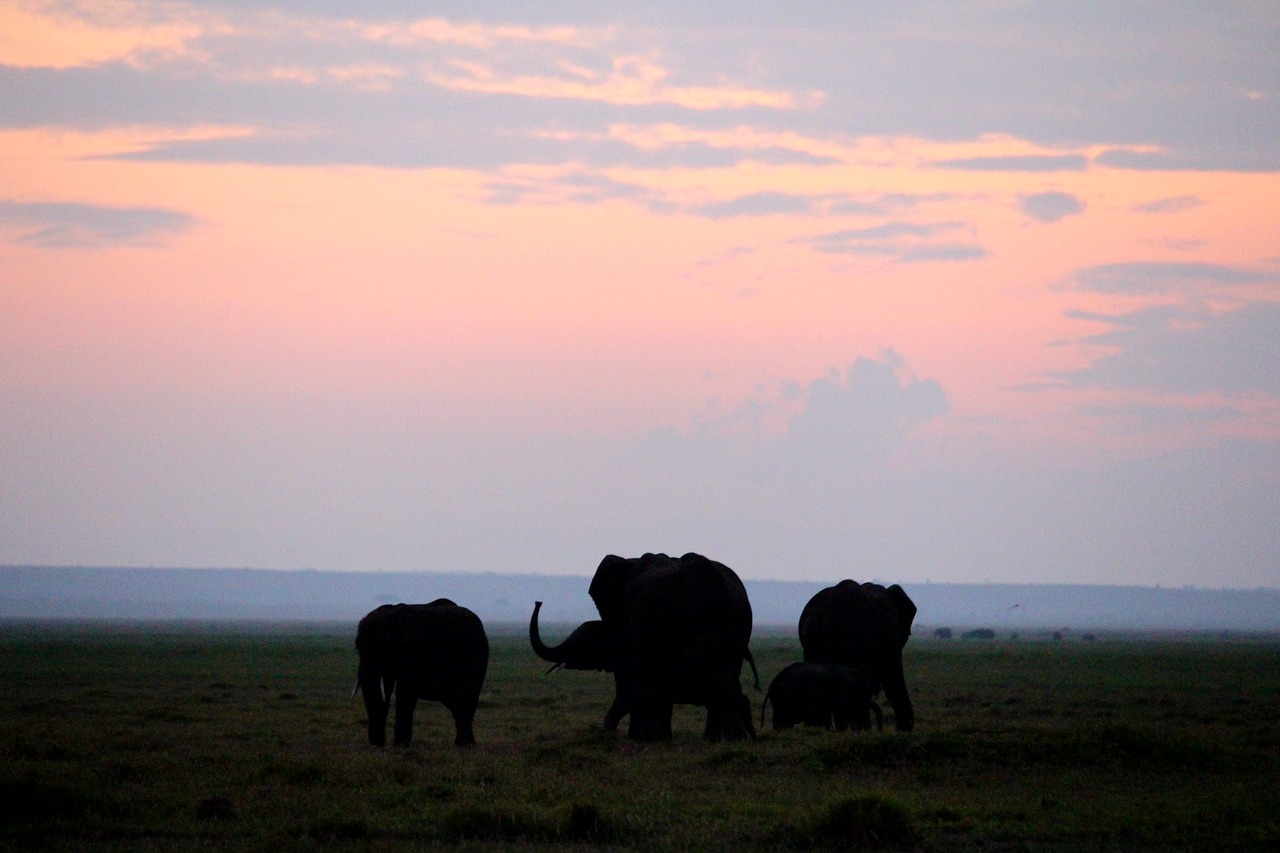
[(867, 821)]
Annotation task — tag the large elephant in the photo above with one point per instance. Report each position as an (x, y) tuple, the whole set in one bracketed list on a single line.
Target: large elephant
[(830, 695), (437, 651), (672, 631), (864, 626)]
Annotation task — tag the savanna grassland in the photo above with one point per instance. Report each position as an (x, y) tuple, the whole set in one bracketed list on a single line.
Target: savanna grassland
[(222, 738)]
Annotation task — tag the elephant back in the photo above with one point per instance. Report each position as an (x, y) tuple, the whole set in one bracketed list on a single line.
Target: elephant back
[(860, 625), (688, 619)]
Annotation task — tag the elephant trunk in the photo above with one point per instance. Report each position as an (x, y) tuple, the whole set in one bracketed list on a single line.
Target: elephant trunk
[(540, 648), (590, 646)]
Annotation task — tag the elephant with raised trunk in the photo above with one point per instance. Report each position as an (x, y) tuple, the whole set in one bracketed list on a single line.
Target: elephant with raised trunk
[(864, 626), (672, 631), (437, 652), (830, 695)]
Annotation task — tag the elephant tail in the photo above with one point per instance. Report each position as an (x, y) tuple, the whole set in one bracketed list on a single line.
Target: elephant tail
[(755, 674), (764, 703)]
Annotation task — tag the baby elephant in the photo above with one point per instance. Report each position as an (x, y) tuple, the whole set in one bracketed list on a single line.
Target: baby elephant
[(830, 695)]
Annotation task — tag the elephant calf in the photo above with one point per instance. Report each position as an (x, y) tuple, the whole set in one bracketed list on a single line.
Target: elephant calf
[(830, 695), (437, 651)]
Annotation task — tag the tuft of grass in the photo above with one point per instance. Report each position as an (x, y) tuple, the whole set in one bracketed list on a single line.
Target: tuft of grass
[(866, 821), (586, 822), (495, 823)]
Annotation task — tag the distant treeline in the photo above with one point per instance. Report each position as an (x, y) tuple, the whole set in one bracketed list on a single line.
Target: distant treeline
[(63, 592)]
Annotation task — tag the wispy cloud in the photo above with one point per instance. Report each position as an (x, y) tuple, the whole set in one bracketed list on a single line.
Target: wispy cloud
[(62, 36), (1186, 350), (1173, 204), (905, 242), (478, 34), (1018, 163), (67, 225), (631, 81), (1152, 277), (757, 204)]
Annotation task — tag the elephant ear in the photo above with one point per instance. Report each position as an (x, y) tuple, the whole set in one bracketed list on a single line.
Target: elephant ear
[(906, 612), (611, 578)]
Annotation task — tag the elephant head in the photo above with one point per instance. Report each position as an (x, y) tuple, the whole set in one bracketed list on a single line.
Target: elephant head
[(590, 646), (612, 577), (906, 610)]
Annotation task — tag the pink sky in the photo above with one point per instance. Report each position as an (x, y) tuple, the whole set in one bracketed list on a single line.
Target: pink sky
[(465, 291)]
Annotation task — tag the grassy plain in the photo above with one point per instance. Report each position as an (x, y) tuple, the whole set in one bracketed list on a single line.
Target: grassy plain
[(159, 737)]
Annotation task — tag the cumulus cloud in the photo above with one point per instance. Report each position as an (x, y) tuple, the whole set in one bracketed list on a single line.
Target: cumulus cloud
[(861, 413), (69, 225), (854, 416), (1050, 206)]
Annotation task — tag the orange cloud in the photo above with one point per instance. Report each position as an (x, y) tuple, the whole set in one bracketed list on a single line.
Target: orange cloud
[(632, 81), (41, 35), (440, 31)]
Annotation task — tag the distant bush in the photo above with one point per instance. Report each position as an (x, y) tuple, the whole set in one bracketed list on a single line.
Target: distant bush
[(943, 633), (980, 634)]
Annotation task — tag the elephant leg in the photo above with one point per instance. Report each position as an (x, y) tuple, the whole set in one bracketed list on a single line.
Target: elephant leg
[(404, 718), (840, 720), (730, 719), (895, 690), (664, 720), (464, 714), (376, 709), (650, 720), (614, 715), (377, 703)]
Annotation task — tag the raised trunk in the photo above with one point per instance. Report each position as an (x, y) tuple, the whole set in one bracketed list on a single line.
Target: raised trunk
[(540, 648)]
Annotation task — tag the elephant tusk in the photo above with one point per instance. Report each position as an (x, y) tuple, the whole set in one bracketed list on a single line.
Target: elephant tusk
[(355, 690), (382, 683), (553, 668)]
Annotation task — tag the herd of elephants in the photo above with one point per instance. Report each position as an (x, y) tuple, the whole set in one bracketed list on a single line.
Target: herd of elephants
[(672, 630)]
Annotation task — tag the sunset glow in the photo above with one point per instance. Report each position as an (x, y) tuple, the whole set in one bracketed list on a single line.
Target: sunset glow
[(872, 297)]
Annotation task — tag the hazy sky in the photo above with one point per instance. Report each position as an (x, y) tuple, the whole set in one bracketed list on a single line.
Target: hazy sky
[(956, 291)]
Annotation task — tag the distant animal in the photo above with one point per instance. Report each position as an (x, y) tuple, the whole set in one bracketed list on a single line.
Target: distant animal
[(437, 652), (830, 695), (864, 626), (672, 631)]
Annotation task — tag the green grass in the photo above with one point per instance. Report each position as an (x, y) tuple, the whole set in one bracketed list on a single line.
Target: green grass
[(119, 738)]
